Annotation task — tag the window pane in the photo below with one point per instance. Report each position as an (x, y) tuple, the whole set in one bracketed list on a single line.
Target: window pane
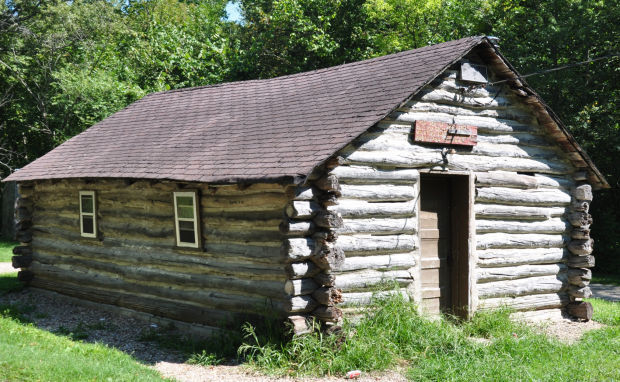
[(87, 203), (87, 224), (185, 212), (187, 226), (186, 232), (185, 201)]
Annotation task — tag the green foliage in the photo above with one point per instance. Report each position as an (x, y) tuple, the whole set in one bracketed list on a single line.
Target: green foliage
[(391, 333)]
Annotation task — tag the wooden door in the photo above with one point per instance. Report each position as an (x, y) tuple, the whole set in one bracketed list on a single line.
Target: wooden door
[(444, 232)]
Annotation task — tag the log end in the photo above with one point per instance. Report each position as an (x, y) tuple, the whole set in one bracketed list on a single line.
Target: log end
[(580, 309), (300, 324), (25, 276), (22, 261)]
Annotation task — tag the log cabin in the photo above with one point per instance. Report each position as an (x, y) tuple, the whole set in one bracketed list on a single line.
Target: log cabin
[(436, 171)]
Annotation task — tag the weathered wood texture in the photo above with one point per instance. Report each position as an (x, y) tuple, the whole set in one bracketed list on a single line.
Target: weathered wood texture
[(134, 261), (524, 193)]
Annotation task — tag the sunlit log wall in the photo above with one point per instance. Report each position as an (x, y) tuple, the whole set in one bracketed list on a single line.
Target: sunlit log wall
[(532, 245)]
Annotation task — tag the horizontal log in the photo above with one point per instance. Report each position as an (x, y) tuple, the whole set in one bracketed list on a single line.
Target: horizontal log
[(515, 180), (579, 292), (327, 296), (179, 310), (350, 281), (521, 287), (301, 193), (189, 279), (325, 279), (328, 257), (580, 206), (376, 244), (24, 236), (25, 276), (403, 158), (580, 309), (386, 141), (366, 174), (328, 183), (579, 276), (514, 114), (581, 261), (583, 192), (518, 272), (532, 302), (302, 209), (521, 139), (580, 219), (225, 263), (581, 247), (23, 214), (296, 228), (300, 324), (378, 226), (580, 233), (501, 240), (328, 219), (297, 249), (513, 257), (301, 270), (257, 202), (365, 298), (488, 125), (300, 304), (380, 262), (327, 313), (379, 192), (300, 287), (22, 250), (22, 261), (554, 225), (224, 300), (496, 211), (24, 203), (351, 208), (537, 197)]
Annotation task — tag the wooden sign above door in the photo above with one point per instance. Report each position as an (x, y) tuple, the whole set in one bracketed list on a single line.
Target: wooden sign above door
[(445, 133)]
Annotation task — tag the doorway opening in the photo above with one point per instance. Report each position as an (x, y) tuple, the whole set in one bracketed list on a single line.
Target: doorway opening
[(445, 210)]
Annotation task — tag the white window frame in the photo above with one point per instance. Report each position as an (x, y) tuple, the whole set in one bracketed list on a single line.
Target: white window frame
[(92, 214), (197, 234)]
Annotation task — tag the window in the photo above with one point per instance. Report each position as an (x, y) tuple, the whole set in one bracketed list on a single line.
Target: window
[(186, 219), (88, 214)]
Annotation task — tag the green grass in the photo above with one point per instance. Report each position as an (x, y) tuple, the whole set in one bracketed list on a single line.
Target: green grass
[(6, 250), (606, 312), (31, 354), (393, 334)]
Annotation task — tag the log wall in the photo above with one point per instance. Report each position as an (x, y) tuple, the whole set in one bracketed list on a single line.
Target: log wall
[(134, 262), (532, 242)]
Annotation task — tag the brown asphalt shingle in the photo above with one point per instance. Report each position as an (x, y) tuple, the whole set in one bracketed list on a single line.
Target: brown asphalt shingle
[(250, 130)]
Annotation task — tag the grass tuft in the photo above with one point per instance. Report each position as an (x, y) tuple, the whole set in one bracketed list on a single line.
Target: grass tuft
[(392, 334), (605, 312)]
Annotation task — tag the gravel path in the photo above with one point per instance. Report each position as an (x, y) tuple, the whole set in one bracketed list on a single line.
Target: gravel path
[(606, 292), (6, 268)]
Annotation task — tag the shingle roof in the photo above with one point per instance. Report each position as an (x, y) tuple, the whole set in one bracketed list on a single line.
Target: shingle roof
[(260, 130), (249, 130)]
